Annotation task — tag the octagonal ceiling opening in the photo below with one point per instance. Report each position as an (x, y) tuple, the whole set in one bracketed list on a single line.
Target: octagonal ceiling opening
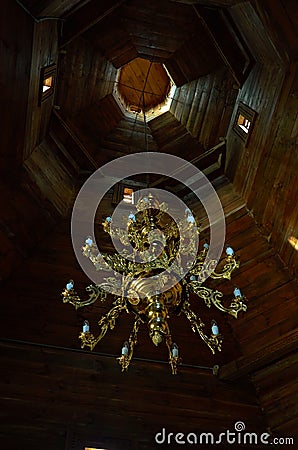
[(146, 87)]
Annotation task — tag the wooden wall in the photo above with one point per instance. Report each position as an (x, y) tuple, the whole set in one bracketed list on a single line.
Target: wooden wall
[(55, 389), (264, 173), (277, 390), (170, 135), (44, 53), (69, 399), (15, 47), (23, 225), (205, 106), (53, 179), (265, 169), (97, 121), (85, 77)]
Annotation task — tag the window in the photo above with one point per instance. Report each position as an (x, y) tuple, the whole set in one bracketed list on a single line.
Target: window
[(127, 195), (92, 448), (244, 121), (123, 192), (47, 82)]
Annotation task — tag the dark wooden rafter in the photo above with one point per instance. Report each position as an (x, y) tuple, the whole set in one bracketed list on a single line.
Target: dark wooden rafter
[(86, 17), (218, 3), (284, 15), (49, 8), (225, 36), (211, 162), (62, 134)]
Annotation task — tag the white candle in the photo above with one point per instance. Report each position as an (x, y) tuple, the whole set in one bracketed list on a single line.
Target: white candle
[(175, 352), (214, 329), (69, 285), (86, 326), (237, 292), (125, 350), (89, 241)]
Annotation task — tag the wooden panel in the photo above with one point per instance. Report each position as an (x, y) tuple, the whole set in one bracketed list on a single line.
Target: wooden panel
[(255, 33), (205, 106), (171, 135), (55, 387), (152, 30), (44, 53), (281, 20), (84, 77), (112, 40), (127, 137), (70, 145), (16, 52), (278, 392), (86, 17), (271, 171), (24, 222), (93, 124), (55, 182), (195, 58), (226, 38)]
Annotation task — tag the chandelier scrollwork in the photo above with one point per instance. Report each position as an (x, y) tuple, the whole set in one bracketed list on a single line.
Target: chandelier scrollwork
[(152, 292)]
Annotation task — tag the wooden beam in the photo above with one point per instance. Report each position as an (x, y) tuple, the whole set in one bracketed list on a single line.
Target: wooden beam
[(85, 18), (218, 3), (52, 8), (61, 133), (205, 160), (260, 358)]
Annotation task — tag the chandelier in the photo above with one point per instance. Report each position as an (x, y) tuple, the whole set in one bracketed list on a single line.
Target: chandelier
[(153, 287)]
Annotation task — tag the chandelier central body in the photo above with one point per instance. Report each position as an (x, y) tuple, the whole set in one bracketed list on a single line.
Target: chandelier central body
[(154, 283)]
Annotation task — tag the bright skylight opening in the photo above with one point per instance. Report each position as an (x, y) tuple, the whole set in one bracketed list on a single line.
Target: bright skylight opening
[(143, 78), (128, 195)]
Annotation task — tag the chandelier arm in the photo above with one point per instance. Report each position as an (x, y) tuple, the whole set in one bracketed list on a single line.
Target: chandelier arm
[(173, 360), (124, 360), (231, 263), (105, 261), (204, 269), (95, 256), (106, 322), (197, 326), (71, 296), (214, 297)]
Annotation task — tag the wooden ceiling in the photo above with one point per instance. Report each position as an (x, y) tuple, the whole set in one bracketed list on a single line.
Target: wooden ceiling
[(219, 53), (143, 85)]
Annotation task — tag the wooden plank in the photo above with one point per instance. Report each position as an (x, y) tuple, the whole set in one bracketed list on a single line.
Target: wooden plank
[(86, 17), (15, 88), (82, 62), (227, 41), (44, 53), (263, 356)]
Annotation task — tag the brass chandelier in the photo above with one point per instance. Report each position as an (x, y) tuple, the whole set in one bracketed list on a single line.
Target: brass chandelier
[(152, 287)]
